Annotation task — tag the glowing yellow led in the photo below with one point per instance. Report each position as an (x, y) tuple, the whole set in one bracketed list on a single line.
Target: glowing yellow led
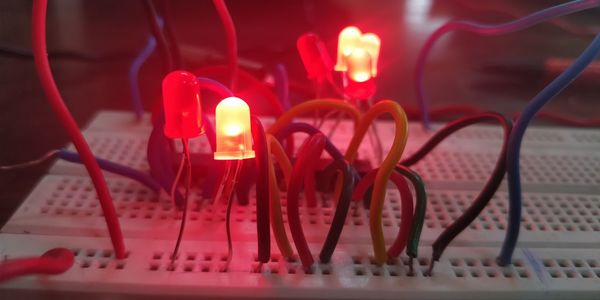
[(359, 65), (232, 129), (352, 39), (234, 135), (371, 43), (348, 40)]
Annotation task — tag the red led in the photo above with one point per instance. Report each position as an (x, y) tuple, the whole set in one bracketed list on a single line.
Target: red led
[(360, 90), (181, 101), (315, 58)]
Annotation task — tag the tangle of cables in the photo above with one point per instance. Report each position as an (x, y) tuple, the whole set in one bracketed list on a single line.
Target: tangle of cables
[(244, 154)]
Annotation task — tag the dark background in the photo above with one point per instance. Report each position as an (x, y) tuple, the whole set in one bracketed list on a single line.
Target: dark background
[(496, 73)]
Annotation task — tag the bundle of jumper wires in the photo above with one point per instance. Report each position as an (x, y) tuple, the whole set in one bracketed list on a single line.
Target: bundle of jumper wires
[(254, 156)]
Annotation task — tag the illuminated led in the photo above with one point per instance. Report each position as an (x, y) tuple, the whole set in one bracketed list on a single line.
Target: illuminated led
[(351, 39), (232, 129), (348, 40), (314, 56), (181, 102), (234, 135), (359, 65), (371, 43)]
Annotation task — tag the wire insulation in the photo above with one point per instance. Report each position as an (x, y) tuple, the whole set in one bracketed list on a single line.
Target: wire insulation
[(157, 32), (231, 36), (54, 261), (310, 184), (341, 212), (215, 87), (114, 168), (66, 119), (37, 161), (486, 30), (105, 165), (276, 149), (516, 138), (310, 150), (282, 85), (134, 73), (308, 106), (259, 88), (491, 185), (386, 169), (209, 131), (406, 216), (277, 224), (263, 224), (288, 130), (420, 210), (158, 154), (170, 37), (447, 111)]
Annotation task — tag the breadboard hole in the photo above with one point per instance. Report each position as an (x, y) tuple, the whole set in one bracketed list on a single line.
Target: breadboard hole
[(586, 137), (71, 196), (101, 259), (74, 196), (559, 229), (566, 268), (360, 266), (496, 134), (445, 164), (487, 268), (541, 212), (125, 149), (280, 266), (188, 261), (550, 169)]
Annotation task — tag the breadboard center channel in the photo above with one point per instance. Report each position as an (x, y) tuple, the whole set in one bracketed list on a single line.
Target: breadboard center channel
[(559, 240)]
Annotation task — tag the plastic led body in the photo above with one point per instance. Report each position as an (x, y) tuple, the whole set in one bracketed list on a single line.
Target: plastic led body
[(371, 43), (181, 102), (361, 84), (359, 65), (351, 39), (234, 135), (315, 58), (348, 39)]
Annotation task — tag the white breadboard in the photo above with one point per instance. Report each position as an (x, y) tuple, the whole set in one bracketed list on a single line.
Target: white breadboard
[(558, 256)]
